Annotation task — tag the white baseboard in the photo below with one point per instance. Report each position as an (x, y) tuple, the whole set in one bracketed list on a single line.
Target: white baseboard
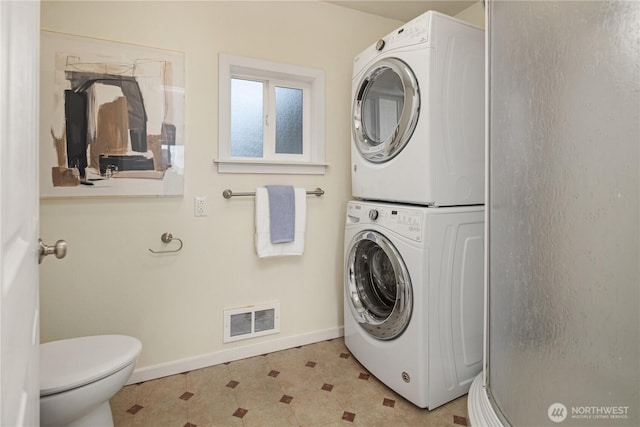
[(197, 362)]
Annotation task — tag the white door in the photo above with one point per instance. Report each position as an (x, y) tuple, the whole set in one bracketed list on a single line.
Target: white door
[(19, 333)]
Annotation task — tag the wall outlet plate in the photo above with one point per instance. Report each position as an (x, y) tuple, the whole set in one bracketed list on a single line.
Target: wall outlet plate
[(200, 206)]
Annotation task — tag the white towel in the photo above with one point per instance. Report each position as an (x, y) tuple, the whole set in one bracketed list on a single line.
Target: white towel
[(264, 247)]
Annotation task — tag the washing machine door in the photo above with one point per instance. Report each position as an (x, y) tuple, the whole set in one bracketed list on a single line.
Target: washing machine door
[(378, 285), (385, 110)]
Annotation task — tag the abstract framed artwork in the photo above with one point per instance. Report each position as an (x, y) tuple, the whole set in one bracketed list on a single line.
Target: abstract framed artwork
[(111, 118)]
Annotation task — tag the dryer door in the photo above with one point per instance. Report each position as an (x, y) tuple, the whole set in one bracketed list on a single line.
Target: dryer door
[(385, 110), (378, 285)]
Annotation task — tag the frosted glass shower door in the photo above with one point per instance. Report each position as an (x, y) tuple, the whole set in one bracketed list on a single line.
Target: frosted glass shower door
[(564, 275)]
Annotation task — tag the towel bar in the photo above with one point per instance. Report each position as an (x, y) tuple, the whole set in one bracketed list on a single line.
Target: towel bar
[(227, 194)]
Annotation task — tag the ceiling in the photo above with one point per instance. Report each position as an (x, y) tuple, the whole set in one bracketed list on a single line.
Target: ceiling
[(405, 10)]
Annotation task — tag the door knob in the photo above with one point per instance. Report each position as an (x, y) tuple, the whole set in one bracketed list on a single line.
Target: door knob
[(59, 249)]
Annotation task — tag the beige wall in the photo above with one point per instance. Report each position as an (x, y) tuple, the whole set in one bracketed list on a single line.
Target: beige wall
[(110, 283), (473, 14)]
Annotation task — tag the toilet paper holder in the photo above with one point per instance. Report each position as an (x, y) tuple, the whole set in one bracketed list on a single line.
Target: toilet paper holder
[(168, 238)]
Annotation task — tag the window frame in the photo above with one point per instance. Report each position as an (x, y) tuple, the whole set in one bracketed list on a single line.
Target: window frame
[(273, 74)]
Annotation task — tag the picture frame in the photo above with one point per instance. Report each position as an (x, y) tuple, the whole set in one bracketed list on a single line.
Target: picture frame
[(111, 118)]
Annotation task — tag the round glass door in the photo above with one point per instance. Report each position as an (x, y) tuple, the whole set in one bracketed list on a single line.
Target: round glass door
[(378, 286), (385, 110)]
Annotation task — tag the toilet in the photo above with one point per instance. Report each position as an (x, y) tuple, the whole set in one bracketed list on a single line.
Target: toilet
[(79, 376)]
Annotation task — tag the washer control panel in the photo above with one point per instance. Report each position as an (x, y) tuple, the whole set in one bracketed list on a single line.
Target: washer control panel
[(404, 220)]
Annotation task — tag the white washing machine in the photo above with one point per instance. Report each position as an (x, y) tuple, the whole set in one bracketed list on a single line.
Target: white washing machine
[(413, 309), (418, 115)]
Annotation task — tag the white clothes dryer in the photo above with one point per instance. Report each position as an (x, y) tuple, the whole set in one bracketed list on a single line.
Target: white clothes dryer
[(418, 115), (413, 308)]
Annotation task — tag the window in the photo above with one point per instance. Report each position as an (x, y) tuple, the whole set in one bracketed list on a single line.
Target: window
[(271, 117)]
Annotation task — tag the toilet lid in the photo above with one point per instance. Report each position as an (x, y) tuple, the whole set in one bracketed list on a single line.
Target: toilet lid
[(71, 363)]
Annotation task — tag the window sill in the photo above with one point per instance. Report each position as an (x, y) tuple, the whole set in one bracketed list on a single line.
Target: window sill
[(266, 166)]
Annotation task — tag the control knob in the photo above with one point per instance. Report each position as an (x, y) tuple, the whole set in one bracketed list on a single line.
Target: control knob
[(373, 214)]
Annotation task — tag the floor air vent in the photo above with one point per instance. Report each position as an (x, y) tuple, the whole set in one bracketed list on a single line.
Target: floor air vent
[(251, 321)]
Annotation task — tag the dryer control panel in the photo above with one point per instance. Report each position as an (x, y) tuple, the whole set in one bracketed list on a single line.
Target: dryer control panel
[(417, 33), (404, 220), (413, 32)]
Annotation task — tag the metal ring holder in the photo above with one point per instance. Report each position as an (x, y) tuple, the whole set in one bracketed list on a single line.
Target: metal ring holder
[(168, 238)]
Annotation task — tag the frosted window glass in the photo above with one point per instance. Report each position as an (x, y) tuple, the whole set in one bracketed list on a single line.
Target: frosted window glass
[(288, 120), (246, 118)]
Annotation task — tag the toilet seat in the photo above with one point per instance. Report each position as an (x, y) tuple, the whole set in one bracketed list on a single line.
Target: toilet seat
[(71, 363)]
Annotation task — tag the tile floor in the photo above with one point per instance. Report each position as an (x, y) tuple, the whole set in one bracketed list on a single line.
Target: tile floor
[(319, 384)]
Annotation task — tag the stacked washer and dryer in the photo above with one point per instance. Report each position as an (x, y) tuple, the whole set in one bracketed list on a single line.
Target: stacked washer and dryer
[(414, 235)]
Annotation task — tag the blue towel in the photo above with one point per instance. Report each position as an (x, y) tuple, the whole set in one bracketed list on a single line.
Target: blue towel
[(282, 213)]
